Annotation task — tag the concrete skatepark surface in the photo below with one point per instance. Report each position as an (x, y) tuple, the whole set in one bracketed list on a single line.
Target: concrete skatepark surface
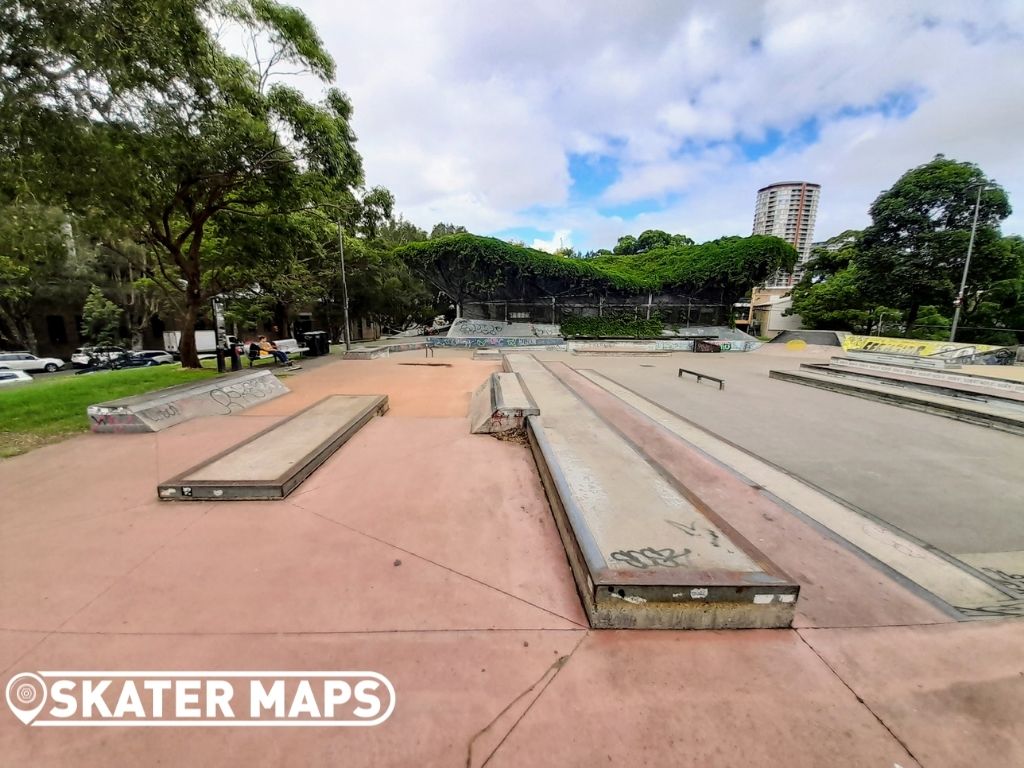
[(430, 555)]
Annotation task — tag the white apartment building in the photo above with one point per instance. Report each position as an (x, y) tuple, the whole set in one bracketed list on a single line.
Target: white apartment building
[(788, 210)]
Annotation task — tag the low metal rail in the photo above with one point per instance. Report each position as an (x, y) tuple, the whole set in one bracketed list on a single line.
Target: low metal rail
[(702, 376)]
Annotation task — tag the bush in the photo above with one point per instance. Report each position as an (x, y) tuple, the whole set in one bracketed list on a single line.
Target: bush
[(613, 327)]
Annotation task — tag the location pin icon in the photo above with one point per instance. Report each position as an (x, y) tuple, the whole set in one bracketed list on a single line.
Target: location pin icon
[(26, 695)]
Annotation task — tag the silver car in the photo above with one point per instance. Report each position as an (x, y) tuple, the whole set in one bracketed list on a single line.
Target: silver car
[(9, 378), (83, 356), (25, 361)]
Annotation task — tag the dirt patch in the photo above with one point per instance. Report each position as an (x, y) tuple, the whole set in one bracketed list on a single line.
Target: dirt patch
[(517, 436), (17, 443)]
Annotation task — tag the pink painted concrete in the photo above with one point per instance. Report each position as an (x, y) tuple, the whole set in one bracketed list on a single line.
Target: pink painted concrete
[(954, 694), (478, 627), (741, 698), (450, 686)]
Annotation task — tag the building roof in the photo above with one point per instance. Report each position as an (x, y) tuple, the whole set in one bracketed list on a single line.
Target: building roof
[(789, 184)]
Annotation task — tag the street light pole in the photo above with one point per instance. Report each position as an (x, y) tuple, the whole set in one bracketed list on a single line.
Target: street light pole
[(344, 285), (967, 266)]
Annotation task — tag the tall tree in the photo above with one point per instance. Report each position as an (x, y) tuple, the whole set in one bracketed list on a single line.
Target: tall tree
[(181, 140), (913, 253), (648, 240), (101, 319), (43, 259), (443, 230)]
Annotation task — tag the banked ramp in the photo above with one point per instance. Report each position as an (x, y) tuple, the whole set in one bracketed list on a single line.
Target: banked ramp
[(164, 408), (963, 397), (643, 554), (272, 463)]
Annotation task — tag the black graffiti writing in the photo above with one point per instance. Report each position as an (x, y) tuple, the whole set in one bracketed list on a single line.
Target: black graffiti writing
[(1014, 581), (235, 395), (162, 412), (649, 557), (691, 530)]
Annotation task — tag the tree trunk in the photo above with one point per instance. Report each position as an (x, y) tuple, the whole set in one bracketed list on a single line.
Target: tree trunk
[(911, 317), (19, 325), (30, 337), (187, 340)]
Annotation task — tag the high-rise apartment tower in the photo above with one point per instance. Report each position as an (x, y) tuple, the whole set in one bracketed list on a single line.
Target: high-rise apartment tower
[(788, 210)]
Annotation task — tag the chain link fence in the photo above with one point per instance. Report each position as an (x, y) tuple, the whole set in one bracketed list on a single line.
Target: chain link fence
[(674, 315)]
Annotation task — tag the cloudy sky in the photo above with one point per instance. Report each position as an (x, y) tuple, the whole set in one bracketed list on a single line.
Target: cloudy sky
[(577, 122)]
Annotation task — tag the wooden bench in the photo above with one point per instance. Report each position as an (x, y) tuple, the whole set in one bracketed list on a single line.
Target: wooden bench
[(702, 376)]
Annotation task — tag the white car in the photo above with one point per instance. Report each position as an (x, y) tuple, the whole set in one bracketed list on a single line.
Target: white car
[(83, 355), (8, 378), (23, 361), (158, 356)]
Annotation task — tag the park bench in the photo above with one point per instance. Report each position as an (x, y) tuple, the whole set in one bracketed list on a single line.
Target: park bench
[(288, 346)]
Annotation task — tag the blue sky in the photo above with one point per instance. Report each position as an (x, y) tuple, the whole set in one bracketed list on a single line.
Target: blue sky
[(574, 124)]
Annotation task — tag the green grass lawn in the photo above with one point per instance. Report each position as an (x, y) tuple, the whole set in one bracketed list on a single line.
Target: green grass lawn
[(50, 409)]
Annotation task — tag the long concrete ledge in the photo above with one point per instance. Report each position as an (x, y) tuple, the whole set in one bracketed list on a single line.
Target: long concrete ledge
[(967, 382), (272, 463), (643, 555), (984, 415), (911, 361), (154, 411)]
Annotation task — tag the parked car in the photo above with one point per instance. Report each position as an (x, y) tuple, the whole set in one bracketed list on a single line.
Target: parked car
[(158, 356), (23, 361), (84, 356), (9, 378)]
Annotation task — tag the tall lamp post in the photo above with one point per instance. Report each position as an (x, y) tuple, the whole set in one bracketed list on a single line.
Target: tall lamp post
[(344, 284), (967, 265)]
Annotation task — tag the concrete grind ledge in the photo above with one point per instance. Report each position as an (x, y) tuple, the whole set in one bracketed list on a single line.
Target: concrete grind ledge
[(500, 404), (643, 554), (940, 405), (155, 411), (272, 463), (655, 598)]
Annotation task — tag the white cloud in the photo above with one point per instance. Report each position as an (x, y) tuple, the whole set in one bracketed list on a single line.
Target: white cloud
[(469, 112), (561, 239)]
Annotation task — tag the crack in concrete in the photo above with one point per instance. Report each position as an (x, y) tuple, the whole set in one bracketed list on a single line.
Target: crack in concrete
[(439, 565), (547, 678), (111, 585), (859, 698)]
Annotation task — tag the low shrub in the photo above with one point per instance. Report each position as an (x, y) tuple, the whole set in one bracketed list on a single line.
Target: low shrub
[(611, 327)]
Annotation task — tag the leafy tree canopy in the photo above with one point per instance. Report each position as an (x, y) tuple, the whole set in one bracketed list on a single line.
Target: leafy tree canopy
[(137, 112), (471, 267), (913, 253), (648, 240)]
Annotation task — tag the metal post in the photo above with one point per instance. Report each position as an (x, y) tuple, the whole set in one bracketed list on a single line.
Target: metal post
[(967, 266), (344, 285), (650, 298), (552, 310), (220, 336)]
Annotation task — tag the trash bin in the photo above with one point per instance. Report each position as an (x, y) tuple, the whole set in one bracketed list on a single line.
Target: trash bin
[(316, 341)]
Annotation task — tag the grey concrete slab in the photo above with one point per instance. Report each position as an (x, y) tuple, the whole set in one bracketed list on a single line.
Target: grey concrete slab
[(1003, 415), (643, 554), (953, 485), (969, 382), (958, 590), (164, 408), (272, 463)]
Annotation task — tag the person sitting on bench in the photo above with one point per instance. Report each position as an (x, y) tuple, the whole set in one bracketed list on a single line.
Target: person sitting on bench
[(271, 348)]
